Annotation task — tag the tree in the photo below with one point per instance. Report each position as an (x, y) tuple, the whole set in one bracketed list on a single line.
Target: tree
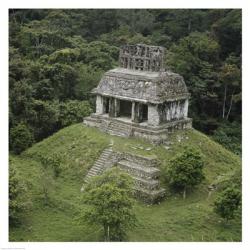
[(228, 202), (44, 118), (228, 32), (230, 77), (110, 203), (20, 138), (73, 112), (185, 170)]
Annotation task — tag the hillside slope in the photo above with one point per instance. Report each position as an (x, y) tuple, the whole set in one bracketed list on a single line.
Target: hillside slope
[(174, 219)]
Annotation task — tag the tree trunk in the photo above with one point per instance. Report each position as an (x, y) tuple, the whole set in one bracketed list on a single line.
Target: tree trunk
[(184, 193), (224, 102), (108, 234), (189, 25), (230, 107), (105, 232)]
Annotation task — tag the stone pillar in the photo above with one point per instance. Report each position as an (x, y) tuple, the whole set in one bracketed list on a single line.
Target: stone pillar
[(133, 112), (153, 115), (178, 110), (185, 111), (168, 112), (112, 107), (117, 107), (99, 105)]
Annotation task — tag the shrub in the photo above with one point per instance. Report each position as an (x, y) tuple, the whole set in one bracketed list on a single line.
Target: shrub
[(17, 203), (52, 162), (228, 202), (20, 138)]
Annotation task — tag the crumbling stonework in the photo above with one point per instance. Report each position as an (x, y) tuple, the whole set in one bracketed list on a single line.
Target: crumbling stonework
[(145, 100), (143, 170)]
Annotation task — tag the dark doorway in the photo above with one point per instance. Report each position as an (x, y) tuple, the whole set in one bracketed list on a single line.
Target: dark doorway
[(125, 108), (144, 112), (106, 105)]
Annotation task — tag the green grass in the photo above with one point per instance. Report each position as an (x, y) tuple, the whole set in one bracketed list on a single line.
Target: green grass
[(174, 219)]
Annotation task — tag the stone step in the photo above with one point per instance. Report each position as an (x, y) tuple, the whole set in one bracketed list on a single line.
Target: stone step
[(90, 175), (100, 165), (117, 133), (146, 184), (107, 151), (120, 124), (99, 162), (149, 196), (102, 159), (105, 154), (119, 129), (139, 170), (95, 170)]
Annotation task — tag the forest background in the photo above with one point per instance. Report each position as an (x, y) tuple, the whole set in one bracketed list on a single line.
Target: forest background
[(57, 56)]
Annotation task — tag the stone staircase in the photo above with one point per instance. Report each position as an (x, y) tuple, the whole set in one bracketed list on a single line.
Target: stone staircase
[(102, 163), (118, 129), (142, 169)]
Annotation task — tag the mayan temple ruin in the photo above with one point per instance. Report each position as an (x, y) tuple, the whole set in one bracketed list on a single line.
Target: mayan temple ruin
[(139, 98)]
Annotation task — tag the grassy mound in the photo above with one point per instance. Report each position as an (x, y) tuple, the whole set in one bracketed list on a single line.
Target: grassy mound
[(174, 219)]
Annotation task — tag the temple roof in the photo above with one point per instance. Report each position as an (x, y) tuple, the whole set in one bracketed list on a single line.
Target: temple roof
[(144, 86)]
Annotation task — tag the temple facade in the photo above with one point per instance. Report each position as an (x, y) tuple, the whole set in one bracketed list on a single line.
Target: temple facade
[(139, 98)]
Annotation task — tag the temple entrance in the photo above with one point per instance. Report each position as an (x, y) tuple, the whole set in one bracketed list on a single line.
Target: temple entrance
[(125, 108), (106, 105), (144, 112)]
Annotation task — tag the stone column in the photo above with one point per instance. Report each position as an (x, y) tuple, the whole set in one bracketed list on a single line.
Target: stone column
[(185, 111), (112, 107), (153, 115), (117, 107), (178, 110), (168, 111), (133, 112), (99, 105)]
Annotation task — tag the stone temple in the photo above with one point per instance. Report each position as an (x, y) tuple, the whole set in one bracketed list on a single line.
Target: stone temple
[(139, 98)]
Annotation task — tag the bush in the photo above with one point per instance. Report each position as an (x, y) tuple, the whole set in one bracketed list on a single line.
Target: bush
[(20, 138), (17, 203), (228, 202), (52, 162)]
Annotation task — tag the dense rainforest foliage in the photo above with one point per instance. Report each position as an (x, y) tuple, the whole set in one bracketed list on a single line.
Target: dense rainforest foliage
[(57, 56)]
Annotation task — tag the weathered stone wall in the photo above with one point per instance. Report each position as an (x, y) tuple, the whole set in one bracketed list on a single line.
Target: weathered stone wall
[(153, 115), (170, 111), (142, 57)]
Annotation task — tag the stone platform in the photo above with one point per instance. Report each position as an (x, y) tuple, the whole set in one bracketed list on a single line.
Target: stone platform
[(123, 126), (143, 170)]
